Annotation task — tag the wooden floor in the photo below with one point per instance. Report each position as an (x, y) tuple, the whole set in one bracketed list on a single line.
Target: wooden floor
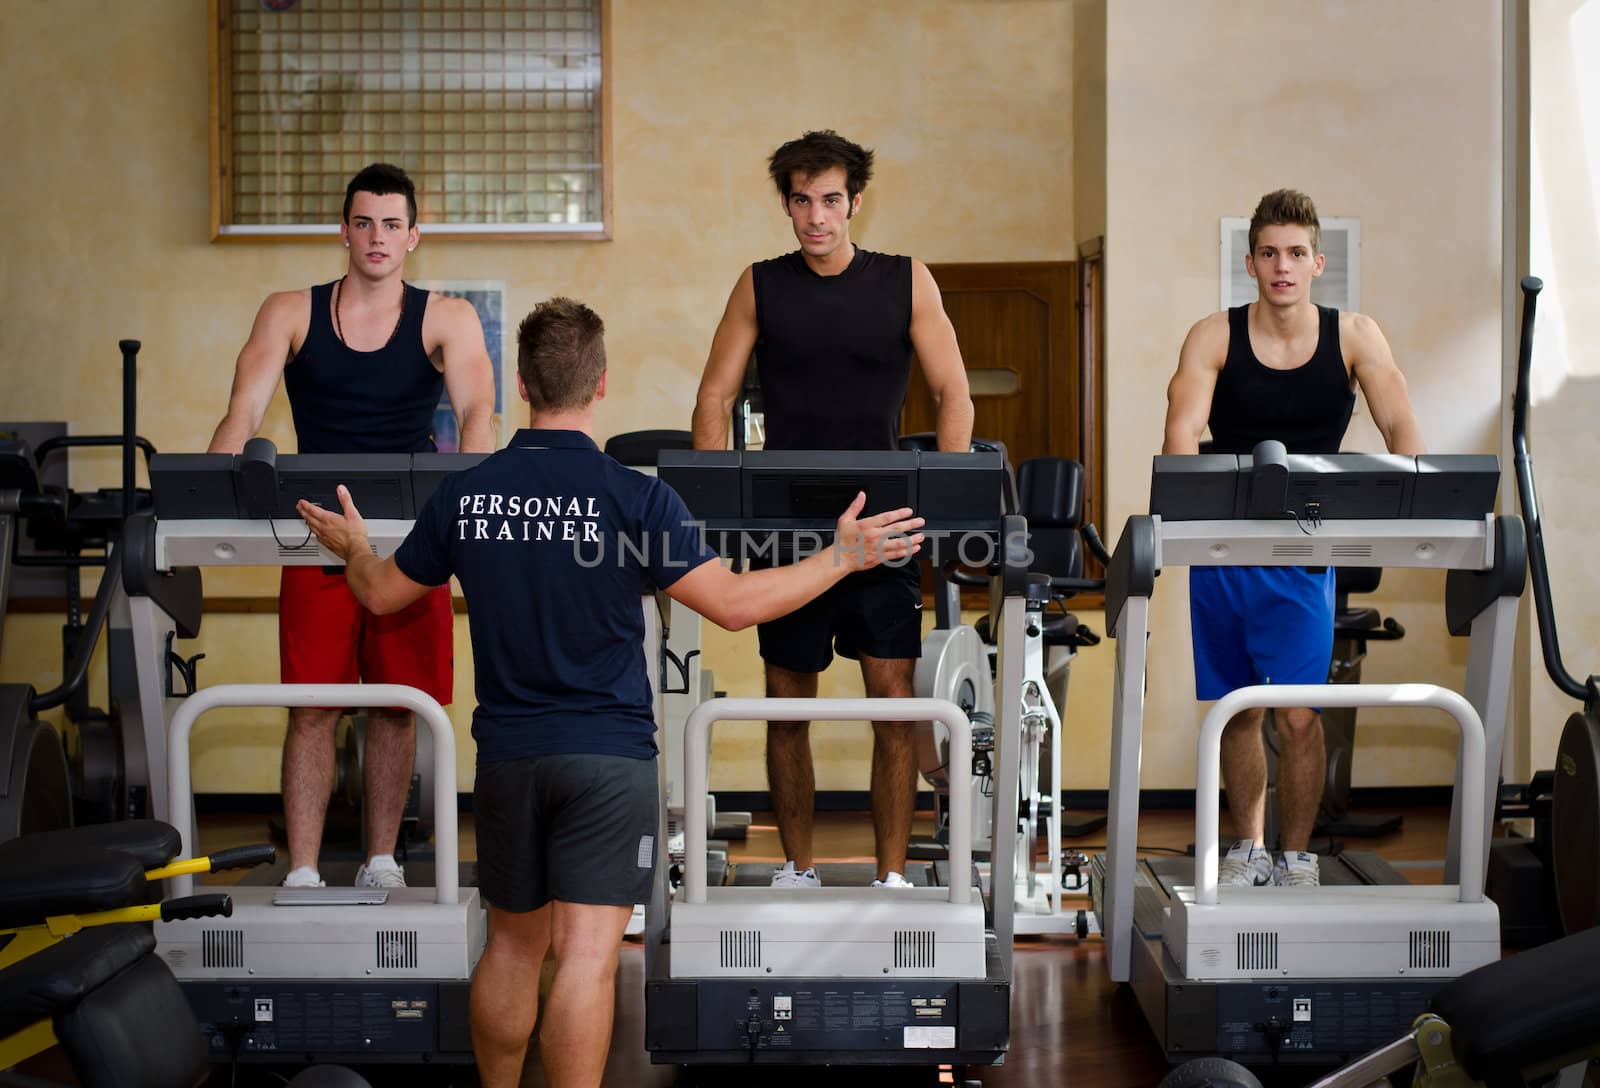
[(1070, 1024)]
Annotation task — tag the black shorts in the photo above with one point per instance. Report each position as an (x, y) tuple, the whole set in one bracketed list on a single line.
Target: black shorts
[(578, 828), (874, 612)]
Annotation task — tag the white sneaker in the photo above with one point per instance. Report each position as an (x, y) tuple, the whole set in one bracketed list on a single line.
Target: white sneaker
[(304, 877), (789, 877), (381, 871), (1246, 865), (893, 880), (1298, 870)]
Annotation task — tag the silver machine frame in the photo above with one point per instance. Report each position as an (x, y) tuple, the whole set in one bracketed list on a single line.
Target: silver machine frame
[(719, 986), (955, 1018), (1194, 1004)]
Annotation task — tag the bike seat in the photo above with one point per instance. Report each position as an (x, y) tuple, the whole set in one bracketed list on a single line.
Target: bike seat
[(38, 882), (152, 842), (1530, 1009)]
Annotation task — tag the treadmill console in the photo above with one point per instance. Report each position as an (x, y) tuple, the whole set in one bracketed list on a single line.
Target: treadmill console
[(261, 483), (1312, 488), (752, 501)]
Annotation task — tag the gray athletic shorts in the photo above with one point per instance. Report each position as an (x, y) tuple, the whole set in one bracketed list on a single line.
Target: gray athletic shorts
[(578, 828)]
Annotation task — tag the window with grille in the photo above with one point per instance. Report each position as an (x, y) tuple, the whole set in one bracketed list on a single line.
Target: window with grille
[(497, 109)]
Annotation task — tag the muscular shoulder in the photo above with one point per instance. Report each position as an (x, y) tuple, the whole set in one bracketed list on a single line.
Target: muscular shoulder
[(449, 320), (1359, 337), (1207, 342), (287, 305), (284, 317), (449, 309), (1354, 324)]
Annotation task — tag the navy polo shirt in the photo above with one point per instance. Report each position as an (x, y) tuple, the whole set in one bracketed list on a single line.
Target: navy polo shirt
[(554, 543)]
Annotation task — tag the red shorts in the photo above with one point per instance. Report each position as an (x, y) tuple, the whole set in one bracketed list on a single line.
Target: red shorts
[(326, 637)]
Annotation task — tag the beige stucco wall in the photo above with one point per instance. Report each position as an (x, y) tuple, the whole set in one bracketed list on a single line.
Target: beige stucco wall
[(1565, 213), (1089, 117), (104, 211), (1385, 111)]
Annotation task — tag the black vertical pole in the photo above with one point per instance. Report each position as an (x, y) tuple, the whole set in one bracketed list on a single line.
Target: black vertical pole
[(130, 374)]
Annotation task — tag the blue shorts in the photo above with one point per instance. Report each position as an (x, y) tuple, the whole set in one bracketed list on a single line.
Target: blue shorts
[(1259, 625)]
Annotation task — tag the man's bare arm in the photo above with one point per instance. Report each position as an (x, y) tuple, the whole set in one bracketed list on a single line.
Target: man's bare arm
[(934, 339), (1382, 383), (724, 373), (377, 583), (735, 601), (1189, 393), (468, 373), (259, 367)]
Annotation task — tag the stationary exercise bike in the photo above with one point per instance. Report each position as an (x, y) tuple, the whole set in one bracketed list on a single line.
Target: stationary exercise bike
[(956, 664), (1551, 885), (78, 965), (45, 783)]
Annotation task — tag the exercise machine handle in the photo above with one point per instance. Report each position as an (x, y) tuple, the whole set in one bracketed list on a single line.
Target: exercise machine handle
[(1097, 547), (130, 429), (1471, 847), (429, 715), (244, 857), (211, 905), (1543, 606)]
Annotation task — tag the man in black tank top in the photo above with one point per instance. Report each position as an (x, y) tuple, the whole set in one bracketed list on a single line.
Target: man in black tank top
[(1281, 368), (834, 329), (363, 360)]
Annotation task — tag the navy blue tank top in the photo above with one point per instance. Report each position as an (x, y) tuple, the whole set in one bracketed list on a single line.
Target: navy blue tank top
[(1307, 408), (833, 352), (347, 401)]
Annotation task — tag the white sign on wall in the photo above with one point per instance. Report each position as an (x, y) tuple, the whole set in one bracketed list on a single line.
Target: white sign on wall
[(1339, 285)]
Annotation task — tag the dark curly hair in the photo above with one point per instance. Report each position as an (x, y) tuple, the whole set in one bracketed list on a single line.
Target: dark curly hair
[(815, 152)]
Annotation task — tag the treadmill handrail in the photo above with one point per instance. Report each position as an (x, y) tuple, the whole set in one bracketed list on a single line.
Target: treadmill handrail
[(697, 759), (1528, 496), (1208, 768), (180, 791)]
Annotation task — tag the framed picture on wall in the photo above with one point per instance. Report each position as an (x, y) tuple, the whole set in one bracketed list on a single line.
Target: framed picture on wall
[(488, 297), (1339, 285)]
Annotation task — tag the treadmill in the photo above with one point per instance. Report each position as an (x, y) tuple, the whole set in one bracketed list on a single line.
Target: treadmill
[(840, 975), (335, 974), (1297, 975)]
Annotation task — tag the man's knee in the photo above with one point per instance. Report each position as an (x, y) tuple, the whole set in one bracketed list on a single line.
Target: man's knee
[(588, 933), (519, 935), (896, 738), (785, 683), (1299, 725), (1243, 722), (388, 720), (313, 723), (888, 677), (788, 735)]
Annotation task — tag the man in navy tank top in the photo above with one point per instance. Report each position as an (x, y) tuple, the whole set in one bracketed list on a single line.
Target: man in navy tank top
[(555, 544), (363, 360), (1281, 368), (834, 328)]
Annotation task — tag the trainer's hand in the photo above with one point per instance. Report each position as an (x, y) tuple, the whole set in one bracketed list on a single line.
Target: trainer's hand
[(343, 534), (889, 537)]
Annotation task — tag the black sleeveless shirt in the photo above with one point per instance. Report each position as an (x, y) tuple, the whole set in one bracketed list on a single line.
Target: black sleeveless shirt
[(834, 352), (1307, 408), (347, 401)]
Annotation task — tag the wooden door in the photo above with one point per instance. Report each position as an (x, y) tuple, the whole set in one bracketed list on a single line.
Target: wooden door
[(1016, 329)]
